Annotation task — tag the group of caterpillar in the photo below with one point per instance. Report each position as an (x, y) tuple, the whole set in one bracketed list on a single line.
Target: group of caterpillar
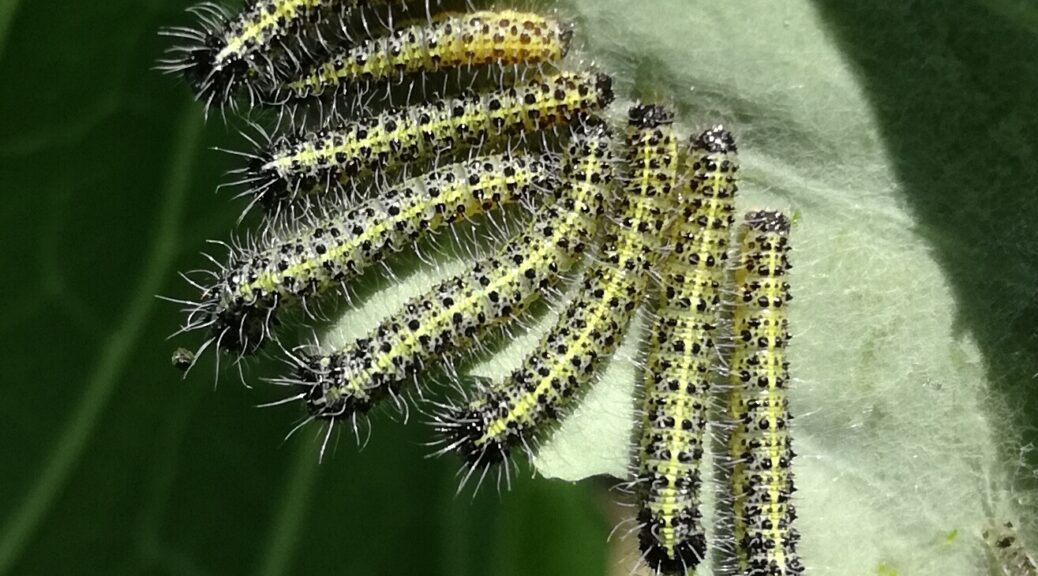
[(396, 138), (506, 414), (328, 245), (681, 357), (286, 49), (687, 247), (337, 245), (495, 290)]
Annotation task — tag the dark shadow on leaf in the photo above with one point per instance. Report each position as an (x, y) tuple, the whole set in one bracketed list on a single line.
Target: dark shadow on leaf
[(953, 86)]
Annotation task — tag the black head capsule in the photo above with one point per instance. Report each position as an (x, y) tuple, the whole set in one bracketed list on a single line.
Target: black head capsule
[(716, 140), (604, 89), (317, 382), (647, 116), (242, 327), (768, 221), (214, 73), (464, 429), (686, 557)]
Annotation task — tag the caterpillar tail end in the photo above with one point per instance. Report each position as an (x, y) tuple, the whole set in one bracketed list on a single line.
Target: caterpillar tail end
[(681, 560)]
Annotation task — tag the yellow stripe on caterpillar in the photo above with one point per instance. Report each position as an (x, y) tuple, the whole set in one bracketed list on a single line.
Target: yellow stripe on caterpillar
[(682, 358), (510, 412), (395, 138), (459, 310), (504, 37), (242, 307), (760, 445)]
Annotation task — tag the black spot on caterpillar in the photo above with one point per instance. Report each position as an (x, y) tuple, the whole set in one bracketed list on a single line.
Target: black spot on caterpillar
[(480, 38), (495, 290), (682, 359), (1008, 553), (502, 415), (760, 444), (241, 307), (395, 138)]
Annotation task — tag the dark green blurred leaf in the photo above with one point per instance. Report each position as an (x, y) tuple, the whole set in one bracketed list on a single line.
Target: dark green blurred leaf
[(112, 464)]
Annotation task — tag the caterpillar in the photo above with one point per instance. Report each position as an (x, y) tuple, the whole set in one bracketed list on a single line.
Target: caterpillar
[(476, 39), (397, 137), (760, 444), (1007, 551), (681, 359), (240, 308), (507, 413), (227, 52), (459, 310)]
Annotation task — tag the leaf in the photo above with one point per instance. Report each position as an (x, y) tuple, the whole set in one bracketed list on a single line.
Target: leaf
[(903, 133)]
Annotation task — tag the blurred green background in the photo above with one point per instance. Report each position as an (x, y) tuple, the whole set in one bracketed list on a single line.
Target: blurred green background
[(113, 465)]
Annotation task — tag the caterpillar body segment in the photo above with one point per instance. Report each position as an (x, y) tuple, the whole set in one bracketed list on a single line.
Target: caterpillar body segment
[(682, 359), (505, 37), (460, 310), (500, 416), (228, 52), (393, 139), (760, 444), (337, 245)]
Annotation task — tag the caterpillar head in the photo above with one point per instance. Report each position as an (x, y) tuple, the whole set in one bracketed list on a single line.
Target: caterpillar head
[(686, 555), (239, 324), (214, 83), (647, 116), (604, 90), (214, 73), (463, 429)]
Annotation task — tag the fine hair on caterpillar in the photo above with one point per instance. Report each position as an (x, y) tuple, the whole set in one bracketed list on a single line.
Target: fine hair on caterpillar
[(332, 246), (291, 166), (682, 359), (514, 411), (760, 443), (461, 310), (398, 120), (465, 43), (226, 52)]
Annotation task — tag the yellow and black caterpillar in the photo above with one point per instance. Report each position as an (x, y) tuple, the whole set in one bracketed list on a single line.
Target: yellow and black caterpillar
[(459, 310), (360, 148), (682, 358), (240, 309), (485, 429), (760, 445)]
